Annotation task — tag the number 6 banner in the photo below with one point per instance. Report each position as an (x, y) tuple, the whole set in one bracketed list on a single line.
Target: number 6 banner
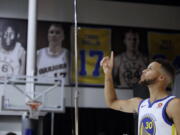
[(93, 44)]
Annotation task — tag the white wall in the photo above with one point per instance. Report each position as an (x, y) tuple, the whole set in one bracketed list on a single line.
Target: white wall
[(98, 12), (12, 122)]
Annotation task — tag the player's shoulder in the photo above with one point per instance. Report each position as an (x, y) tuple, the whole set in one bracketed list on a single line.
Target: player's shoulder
[(173, 108), (19, 48), (41, 50), (136, 101), (139, 100), (18, 45), (65, 50), (175, 102), (120, 55), (119, 58)]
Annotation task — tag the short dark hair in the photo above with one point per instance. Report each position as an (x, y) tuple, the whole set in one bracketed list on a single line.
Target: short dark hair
[(167, 66), (59, 25), (13, 25), (11, 133), (134, 31)]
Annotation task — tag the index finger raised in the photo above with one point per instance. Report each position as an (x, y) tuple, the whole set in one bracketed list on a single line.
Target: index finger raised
[(112, 58)]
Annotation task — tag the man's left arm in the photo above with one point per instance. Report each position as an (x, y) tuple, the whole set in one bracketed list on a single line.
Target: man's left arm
[(173, 111)]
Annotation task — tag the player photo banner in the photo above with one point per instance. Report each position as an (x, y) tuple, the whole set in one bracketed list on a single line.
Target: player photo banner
[(164, 45), (93, 45), (13, 38)]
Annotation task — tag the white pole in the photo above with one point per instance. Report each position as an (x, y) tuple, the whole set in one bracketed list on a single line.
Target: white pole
[(76, 93), (29, 124), (31, 46)]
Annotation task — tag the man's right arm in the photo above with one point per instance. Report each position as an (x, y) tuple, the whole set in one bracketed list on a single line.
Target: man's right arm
[(130, 105)]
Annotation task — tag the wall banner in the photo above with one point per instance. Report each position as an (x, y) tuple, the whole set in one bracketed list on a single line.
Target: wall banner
[(165, 46), (93, 45)]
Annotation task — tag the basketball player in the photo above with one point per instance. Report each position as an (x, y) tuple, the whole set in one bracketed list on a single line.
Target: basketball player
[(52, 61), (12, 54), (129, 64), (158, 115)]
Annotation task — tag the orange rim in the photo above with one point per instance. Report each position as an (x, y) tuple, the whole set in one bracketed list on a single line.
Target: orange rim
[(33, 104)]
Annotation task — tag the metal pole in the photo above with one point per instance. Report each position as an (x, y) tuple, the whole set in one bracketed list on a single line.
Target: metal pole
[(30, 126), (52, 123), (76, 94), (31, 46)]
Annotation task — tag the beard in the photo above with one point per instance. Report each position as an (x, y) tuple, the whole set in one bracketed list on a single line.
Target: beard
[(10, 46), (147, 82)]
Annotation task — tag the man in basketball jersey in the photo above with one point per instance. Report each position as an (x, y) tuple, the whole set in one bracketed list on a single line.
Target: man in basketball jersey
[(12, 54), (159, 114), (129, 64), (52, 61)]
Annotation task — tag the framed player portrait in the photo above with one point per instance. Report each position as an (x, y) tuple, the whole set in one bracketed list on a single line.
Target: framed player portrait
[(131, 55), (13, 44), (53, 49)]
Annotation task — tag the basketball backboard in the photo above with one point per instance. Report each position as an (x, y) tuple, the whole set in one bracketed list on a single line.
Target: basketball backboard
[(50, 93)]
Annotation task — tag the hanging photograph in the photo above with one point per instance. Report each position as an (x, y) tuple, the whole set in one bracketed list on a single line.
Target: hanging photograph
[(130, 55), (13, 44), (53, 51)]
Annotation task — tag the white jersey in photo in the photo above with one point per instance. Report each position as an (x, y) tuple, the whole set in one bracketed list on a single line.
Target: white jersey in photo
[(153, 119), (12, 62), (52, 66)]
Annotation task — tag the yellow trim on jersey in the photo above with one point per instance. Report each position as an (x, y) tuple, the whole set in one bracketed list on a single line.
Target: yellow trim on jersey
[(174, 130), (141, 129)]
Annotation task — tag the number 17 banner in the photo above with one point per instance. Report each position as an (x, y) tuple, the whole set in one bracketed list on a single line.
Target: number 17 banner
[(93, 44)]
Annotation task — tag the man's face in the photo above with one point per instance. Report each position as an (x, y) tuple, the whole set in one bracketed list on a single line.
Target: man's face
[(55, 35), (9, 36), (131, 41), (150, 74)]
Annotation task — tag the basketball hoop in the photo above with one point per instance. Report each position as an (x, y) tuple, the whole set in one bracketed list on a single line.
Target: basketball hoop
[(34, 109)]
